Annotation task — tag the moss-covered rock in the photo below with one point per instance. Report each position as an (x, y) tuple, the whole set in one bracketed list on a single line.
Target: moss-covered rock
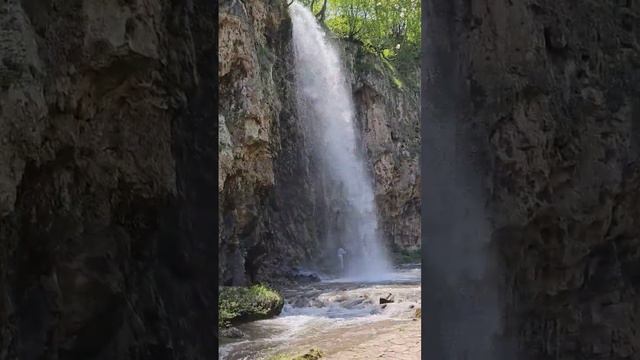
[(312, 354), (241, 304)]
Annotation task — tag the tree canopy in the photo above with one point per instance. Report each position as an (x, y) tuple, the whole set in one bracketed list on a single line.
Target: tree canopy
[(389, 28)]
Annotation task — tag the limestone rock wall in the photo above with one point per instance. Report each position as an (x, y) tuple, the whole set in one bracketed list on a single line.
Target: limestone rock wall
[(106, 130), (266, 189), (272, 199), (388, 117), (540, 100)]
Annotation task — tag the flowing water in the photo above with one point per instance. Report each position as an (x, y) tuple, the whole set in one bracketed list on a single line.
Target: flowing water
[(344, 319), (342, 316), (325, 105)]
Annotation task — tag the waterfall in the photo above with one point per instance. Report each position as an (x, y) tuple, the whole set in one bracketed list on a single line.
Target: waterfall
[(325, 104)]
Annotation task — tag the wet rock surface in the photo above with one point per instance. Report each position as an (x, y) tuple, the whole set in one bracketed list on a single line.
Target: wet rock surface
[(387, 114), (342, 319), (274, 204), (105, 138), (539, 99), (387, 299), (232, 333), (399, 341)]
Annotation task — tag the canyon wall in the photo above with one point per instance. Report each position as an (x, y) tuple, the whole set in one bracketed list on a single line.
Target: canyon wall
[(534, 107), (266, 204), (274, 205), (107, 139), (388, 119), (107, 187)]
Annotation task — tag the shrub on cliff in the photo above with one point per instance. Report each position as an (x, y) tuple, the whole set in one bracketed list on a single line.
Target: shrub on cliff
[(403, 256), (238, 304)]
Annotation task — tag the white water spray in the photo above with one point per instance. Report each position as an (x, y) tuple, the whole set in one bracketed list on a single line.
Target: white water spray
[(325, 102)]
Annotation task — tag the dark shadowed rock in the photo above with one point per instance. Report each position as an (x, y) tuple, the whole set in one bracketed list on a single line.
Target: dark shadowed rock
[(107, 192), (531, 162), (387, 299), (275, 203)]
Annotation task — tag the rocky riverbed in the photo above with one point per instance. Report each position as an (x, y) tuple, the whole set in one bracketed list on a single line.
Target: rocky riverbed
[(342, 318)]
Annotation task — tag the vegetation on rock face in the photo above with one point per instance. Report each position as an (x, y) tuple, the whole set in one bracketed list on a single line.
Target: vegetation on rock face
[(240, 304), (403, 256), (389, 28), (312, 354)]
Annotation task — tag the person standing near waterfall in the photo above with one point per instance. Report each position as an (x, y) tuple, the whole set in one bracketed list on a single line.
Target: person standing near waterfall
[(341, 253)]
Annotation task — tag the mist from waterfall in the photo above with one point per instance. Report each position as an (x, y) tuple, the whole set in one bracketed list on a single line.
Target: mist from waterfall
[(325, 103)]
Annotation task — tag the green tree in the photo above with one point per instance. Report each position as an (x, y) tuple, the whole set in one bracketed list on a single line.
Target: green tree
[(388, 28)]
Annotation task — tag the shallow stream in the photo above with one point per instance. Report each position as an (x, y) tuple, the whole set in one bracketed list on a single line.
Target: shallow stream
[(338, 316)]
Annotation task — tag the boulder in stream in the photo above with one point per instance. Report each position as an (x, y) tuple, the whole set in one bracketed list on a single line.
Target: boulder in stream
[(237, 304), (387, 299), (232, 332)]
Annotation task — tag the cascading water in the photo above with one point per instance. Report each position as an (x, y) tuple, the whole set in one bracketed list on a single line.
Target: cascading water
[(325, 103)]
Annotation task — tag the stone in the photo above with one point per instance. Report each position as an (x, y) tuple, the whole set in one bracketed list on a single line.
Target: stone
[(238, 304), (271, 188), (232, 333), (386, 300), (529, 182), (106, 148)]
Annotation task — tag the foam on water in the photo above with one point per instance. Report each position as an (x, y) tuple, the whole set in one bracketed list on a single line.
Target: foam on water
[(338, 303)]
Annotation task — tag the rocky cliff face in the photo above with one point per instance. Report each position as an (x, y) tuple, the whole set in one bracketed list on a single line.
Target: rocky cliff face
[(273, 202), (266, 202), (387, 111), (538, 101), (107, 139)]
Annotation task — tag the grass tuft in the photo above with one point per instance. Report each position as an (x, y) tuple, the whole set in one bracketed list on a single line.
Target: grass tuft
[(240, 304)]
